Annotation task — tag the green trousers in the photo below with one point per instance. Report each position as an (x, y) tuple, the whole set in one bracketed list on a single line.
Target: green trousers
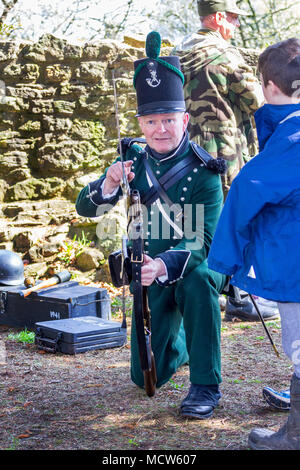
[(186, 327)]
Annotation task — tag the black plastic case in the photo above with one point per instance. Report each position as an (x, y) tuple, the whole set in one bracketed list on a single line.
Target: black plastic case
[(77, 335), (65, 300)]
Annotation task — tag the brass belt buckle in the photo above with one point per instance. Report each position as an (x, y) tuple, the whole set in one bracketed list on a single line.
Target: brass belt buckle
[(137, 260)]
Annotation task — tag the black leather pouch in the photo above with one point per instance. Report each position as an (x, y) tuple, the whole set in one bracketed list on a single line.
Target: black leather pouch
[(119, 267)]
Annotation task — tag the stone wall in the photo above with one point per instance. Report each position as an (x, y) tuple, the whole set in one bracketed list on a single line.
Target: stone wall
[(57, 132), (57, 114)]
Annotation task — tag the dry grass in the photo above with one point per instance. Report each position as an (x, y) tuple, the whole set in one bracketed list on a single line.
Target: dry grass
[(59, 402)]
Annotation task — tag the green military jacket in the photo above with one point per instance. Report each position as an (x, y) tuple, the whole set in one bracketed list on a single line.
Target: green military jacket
[(182, 245), (221, 93)]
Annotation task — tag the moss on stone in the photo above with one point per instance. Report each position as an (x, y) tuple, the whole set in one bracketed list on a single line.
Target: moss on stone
[(35, 189), (30, 126), (93, 131)]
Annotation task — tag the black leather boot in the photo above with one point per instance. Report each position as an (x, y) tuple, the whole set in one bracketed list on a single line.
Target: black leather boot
[(243, 309), (288, 437), (200, 402)]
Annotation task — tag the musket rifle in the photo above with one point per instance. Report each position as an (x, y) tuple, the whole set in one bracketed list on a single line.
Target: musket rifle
[(134, 265)]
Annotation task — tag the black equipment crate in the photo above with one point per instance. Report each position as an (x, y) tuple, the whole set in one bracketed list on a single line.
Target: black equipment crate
[(65, 300), (77, 335)]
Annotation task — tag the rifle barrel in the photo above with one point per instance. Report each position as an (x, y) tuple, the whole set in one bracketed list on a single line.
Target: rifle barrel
[(126, 188)]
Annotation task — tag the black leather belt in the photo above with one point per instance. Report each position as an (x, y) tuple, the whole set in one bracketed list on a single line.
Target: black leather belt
[(176, 173)]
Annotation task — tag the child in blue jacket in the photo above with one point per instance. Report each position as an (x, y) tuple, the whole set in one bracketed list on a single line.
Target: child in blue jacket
[(258, 234)]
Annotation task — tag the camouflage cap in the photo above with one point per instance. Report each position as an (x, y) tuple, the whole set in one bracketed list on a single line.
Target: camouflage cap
[(206, 7)]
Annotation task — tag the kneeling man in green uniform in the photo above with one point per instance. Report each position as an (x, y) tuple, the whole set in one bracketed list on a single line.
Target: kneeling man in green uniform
[(183, 293)]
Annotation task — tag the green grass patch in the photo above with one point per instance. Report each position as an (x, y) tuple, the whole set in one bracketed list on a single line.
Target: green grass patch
[(23, 336)]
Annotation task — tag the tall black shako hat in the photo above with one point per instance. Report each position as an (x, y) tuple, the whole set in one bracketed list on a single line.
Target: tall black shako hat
[(158, 81)]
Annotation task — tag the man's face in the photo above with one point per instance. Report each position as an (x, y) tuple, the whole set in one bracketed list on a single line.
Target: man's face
[(229, 23), (163, 132)]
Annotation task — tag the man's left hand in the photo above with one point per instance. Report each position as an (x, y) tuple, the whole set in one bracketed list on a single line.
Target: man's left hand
[(151, 269)]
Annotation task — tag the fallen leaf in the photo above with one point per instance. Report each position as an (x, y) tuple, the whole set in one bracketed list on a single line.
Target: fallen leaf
[(24, 435), (27, 404), (130, 425), (93, 385)]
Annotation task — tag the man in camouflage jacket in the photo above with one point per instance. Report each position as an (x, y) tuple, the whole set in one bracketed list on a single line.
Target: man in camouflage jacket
[(222, 93), (221, 90)]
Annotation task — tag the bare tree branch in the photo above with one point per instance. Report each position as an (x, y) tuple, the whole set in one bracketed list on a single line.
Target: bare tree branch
[(268, 21), (66, 23), (7, 7)]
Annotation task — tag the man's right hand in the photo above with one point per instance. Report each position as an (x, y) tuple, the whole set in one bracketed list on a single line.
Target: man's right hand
[(114, 176)]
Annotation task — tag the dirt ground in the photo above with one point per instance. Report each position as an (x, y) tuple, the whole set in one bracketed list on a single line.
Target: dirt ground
[(88, 402)]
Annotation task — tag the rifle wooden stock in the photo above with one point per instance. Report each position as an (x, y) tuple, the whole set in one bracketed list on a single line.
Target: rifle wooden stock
[(64, 276), (140, 297), (150, 377)]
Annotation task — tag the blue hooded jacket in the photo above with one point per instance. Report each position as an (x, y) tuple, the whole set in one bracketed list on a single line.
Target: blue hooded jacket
[(257, 240)]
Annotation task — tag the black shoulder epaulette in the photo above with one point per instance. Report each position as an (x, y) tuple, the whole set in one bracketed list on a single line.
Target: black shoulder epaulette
[(216, 165), (127, 142)]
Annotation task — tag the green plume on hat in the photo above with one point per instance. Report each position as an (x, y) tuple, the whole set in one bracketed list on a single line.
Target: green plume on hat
[(153, 44)]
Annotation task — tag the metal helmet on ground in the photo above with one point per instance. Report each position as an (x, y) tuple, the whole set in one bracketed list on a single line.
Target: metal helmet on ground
[(11, 268)]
